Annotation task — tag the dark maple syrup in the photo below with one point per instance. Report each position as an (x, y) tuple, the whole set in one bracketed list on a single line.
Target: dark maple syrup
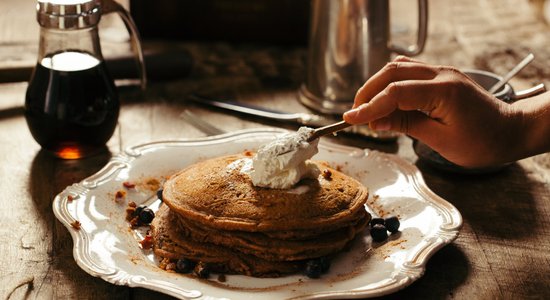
[(71, 105)]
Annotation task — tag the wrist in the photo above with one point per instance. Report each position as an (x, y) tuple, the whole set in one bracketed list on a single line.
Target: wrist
[(533, 115)]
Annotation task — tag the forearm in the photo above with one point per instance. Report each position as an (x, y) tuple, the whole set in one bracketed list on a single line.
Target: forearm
[(535, 125)]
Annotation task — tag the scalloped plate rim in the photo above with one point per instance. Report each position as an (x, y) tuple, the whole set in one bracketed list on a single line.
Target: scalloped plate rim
[(417, 269)]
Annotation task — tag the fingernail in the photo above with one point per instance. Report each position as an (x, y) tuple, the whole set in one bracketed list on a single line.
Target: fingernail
[(381, 124), (352, 113)]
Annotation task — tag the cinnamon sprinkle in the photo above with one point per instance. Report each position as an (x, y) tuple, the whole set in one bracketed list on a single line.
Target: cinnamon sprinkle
[(147, 242), (129, 185), (76, 224)]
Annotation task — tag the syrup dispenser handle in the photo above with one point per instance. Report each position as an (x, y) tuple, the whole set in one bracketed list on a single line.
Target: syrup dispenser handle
[(109, 6)]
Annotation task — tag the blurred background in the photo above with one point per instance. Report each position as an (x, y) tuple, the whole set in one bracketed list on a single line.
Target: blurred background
[(285, 23)]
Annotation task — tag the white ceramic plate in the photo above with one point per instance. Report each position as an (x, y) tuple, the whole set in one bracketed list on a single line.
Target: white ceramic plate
[(106, 247)]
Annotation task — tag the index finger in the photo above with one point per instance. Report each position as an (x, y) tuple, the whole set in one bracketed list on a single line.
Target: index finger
[(406, 95), (392, 72)]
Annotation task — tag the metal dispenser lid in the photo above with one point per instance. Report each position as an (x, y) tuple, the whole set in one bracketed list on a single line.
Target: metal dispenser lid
[(68, 14)]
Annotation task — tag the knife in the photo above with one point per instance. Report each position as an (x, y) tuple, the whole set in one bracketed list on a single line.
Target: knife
[(306, 119)]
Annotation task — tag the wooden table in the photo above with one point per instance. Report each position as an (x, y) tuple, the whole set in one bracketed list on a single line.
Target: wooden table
[(503, 250)]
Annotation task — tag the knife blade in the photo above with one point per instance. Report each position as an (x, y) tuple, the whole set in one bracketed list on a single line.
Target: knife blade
[(305, 119)]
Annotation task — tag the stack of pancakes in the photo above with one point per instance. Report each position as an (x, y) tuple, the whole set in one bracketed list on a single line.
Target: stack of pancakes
[(211, 213)]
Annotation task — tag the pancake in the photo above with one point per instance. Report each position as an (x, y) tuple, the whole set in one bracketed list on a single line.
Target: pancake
[(265, 247), (171, 242), (212, 213), (216, 193)]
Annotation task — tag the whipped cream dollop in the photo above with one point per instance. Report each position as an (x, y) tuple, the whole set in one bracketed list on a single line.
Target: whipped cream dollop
[(283, 162)]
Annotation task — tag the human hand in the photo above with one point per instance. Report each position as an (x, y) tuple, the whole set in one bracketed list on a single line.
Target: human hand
[(442, 107)]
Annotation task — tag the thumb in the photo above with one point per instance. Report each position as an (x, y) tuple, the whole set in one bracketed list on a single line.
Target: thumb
[(413, 123)]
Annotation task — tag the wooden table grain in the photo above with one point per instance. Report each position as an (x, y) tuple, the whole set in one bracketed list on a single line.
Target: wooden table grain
[(502, 252)]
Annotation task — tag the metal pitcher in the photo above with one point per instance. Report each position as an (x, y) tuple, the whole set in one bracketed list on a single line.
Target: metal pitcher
[(349, 41)]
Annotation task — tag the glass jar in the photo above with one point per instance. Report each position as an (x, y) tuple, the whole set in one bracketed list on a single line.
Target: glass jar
[(71, 104)]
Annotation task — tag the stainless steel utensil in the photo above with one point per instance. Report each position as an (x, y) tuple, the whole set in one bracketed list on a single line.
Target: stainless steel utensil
[(332, 128), (507, 93), (200, 124), (306, 119), (321, 131), (522, 64)]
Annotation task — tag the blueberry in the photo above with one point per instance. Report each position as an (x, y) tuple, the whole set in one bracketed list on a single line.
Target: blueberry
[(138, 210), (184, 265), (314, 269), (202, 270), (375, 221), (325, 264), (379, 233), (159, 194), (146, 215), (392, 224)]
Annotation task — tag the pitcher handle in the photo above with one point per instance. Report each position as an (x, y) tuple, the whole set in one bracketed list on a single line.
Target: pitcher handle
[(110, 6), (413, 50)]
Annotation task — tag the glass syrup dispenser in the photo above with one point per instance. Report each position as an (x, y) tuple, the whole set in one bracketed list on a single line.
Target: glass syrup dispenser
[(72, 105)]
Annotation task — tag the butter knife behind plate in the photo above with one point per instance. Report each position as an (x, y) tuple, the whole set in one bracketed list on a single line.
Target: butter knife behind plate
[(306, 119)]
